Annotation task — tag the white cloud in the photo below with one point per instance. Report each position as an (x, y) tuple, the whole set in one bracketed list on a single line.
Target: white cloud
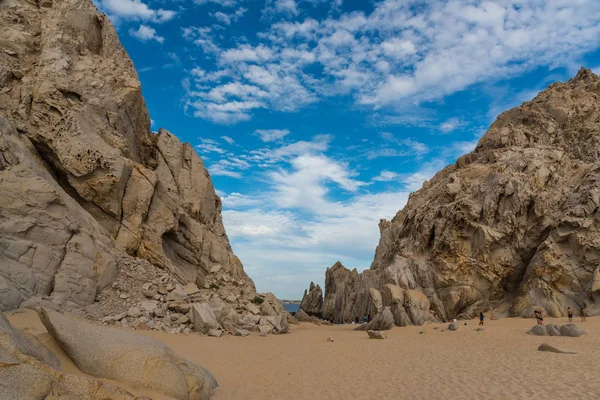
[(451, 125), (228, 19), (386, 176), (401, 54), (134, 10), (146, 33), (223, 3), (272, 135), (209, 146), (246, 53), (228, 139)]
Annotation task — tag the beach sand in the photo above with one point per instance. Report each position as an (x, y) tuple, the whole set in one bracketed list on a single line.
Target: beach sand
[(501, 362)]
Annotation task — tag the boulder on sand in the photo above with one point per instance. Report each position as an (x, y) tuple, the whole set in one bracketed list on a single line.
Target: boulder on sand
[(376, 335), (279, 323), (552, 349), (571, 330), (26, 375), (127, 357), (204, 318), (453, 327), (301, 316), (382, 322), (553, 330), (538, 330)]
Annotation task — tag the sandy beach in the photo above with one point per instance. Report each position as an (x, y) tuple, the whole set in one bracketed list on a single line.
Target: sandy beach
[(501, 362)]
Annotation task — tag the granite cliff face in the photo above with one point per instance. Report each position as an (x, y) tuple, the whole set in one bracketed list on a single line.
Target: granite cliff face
[(512, 226), (83, 179)]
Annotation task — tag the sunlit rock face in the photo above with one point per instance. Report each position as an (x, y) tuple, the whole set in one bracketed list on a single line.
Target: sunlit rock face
[(512, 226), (83, 178)]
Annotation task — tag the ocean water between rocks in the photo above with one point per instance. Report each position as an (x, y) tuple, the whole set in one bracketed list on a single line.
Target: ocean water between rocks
[(291, 307)]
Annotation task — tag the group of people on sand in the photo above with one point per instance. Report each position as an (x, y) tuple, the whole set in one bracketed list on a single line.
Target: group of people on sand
[(540, 317)]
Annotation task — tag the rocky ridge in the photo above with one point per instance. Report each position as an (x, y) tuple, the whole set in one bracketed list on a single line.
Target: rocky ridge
[(512, 226), (88, 189)]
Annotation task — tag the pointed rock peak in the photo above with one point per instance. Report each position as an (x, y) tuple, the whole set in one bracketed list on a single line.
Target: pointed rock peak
[(585, 74)]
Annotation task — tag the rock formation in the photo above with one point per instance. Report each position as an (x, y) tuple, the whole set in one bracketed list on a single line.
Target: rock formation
[(512, 226), (28, 372), (84, 180), (312, 301), (140, 361)]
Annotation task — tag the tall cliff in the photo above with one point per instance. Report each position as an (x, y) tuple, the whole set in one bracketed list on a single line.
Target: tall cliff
[(82, 178), (514, 225)]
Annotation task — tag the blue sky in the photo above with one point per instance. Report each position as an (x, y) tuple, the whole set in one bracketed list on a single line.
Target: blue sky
[(317, 118)]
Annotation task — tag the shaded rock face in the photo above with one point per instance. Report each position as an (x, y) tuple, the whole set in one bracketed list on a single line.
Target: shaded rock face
[(149, 364), (83, 177), (347, 294), (514, 225), (312, 301)]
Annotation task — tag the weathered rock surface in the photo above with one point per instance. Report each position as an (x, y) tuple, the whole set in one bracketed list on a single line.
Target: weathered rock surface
[(552, 349), (511, 226), (148, 364), (347, 294), (376, 335), (312, 301), (83, 177), (25, 374), (26, 345)]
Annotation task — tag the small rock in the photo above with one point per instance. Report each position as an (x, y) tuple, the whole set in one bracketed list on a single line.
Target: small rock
[(215, 333), (124, 296), (184, 319), (170, 287), (240, 332), (376, 335), (479, 329), (180, 307), (162, 290), (330, 339), (252, 308), (452, 327), (231, 298), (134, 312), (120, 316), (190, 289), (421, 332), (18, 74)]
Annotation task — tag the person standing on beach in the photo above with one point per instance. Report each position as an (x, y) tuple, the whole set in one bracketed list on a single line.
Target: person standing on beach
[(570, 313), (539, 317), (481, 319), (582, 312), (365, 319)]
